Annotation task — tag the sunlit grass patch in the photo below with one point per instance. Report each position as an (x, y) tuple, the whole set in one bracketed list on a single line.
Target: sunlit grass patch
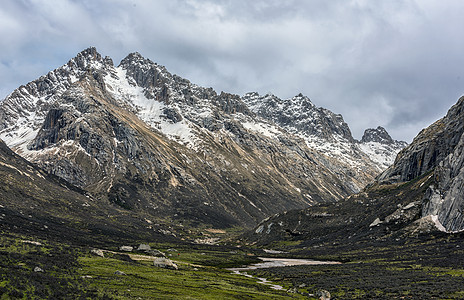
[(143, 280)]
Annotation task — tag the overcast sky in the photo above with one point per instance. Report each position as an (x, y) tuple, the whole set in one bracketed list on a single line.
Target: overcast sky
[(398, 64)]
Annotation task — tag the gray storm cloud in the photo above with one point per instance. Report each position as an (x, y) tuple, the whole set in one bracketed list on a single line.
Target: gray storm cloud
[(390, 63)]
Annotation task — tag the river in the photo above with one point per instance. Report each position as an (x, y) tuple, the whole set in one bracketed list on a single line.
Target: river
[(270, 262)]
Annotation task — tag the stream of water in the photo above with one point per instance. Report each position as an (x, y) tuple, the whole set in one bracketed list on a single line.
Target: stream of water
[(268, 262)]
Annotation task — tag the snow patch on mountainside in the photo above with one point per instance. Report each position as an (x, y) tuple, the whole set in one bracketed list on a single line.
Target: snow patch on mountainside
[(380, 153), (338, 148), (268, 130), (19, 138), (150, 111)]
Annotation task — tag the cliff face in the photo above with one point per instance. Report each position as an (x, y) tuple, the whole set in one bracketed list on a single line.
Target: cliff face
[(437, 149), (446, 197), (431, 146)]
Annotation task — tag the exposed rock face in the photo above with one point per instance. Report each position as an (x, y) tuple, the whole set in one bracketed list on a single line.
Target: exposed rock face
[(431, 146), (446, 197), (437, 149), (300, 114), (140, 138), (378, 135)]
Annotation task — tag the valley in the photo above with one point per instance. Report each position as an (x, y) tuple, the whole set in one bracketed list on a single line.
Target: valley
[(427, 267), (129, 182)]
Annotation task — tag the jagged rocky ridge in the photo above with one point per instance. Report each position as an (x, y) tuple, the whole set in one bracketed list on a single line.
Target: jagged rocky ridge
[(144, 139), (328, 133)]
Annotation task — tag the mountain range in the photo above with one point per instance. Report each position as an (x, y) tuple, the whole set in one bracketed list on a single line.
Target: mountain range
[(136, 138)]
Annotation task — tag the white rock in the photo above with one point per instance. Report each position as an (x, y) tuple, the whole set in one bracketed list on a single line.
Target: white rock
[(126, 248), (165, 263), (376, 222)]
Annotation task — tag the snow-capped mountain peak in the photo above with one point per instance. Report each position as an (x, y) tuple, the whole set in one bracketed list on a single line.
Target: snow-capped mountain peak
[(121, 131), (379, 135), (379, 145), (24, 110)]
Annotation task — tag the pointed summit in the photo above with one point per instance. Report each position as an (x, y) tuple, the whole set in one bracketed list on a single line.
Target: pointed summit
[(379, 135), (135, 55), (303, 101), (135, 58), (90, 52), (89, 57)]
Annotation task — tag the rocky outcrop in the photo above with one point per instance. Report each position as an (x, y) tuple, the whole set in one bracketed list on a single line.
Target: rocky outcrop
[(446, 197), (430, 147), (380, 147), (165, 263), (437, 150), (379, 135)]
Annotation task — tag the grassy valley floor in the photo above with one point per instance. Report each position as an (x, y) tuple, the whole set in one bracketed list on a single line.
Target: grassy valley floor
[(427, 268), (32, 269)]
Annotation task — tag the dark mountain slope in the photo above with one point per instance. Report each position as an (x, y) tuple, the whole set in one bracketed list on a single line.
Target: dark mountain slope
[(34, 203)]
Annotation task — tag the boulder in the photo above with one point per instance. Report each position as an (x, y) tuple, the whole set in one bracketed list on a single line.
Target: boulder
[(165, 263), (323, 295), (123, 257), (126, 248), (97, 252), (376, 222), (119, 273), (144, 247)]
